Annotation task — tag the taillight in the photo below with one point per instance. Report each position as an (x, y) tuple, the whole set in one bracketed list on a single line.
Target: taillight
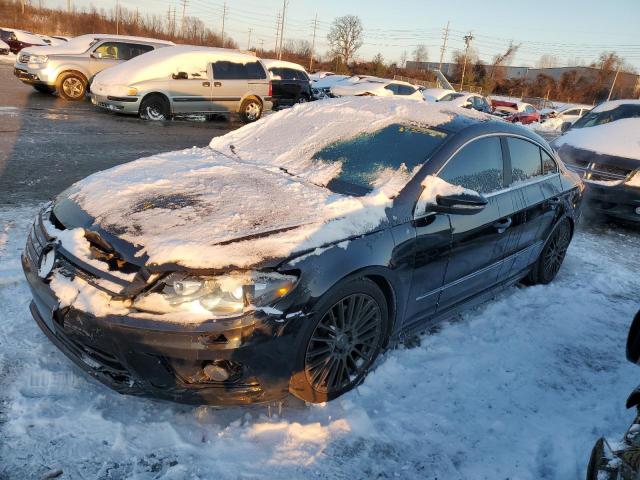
[(270, 89)]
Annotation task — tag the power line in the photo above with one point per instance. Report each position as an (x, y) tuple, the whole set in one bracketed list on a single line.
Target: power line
[(313, 42)]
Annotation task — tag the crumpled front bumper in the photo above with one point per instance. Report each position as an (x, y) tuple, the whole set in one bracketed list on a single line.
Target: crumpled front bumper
[(618, 201), (144, 356)]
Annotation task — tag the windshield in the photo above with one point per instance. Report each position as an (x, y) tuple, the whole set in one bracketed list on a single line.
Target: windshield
[(592, 118), (365, 157)]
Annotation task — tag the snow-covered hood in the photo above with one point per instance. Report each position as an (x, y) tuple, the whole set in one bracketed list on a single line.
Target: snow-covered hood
[(360, 88), (254, 195), (620, 138), (328, 81), (3, 45)]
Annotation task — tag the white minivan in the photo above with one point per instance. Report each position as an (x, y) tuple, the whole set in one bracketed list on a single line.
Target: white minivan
[(186, 80)]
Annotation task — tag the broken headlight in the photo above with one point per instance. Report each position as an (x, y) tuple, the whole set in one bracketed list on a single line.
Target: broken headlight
[(38, 59), (215, 296)]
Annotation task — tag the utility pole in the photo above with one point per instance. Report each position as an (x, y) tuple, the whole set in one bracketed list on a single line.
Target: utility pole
[(224, 15), (117, 17), (467, 42), (277, 32), (613, 84), (261, 46), (184, 11), (22, 4), (249, 40), (313, 42), (68, 6), (445, 37), (284, 12)]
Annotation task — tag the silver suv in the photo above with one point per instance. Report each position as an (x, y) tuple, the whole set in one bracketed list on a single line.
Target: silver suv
[(70, 68), (186, 80)]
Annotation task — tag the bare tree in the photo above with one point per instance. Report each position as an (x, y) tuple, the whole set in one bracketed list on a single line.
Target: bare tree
[(378, 65), (548, 61), (403, 59), (345, 36), (420, 54)]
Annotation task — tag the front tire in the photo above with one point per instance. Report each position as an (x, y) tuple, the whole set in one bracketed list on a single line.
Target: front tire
[(72, 86), (155, 107), (550, 260), (341, 344), (250, 110)]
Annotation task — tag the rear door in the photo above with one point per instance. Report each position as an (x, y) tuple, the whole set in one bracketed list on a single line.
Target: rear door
[(474, 260), (536, 188), (232, 81)]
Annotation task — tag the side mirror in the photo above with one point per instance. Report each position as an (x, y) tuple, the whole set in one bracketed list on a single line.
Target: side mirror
[(97, 55), (565, 126), (468, 105), (180, 76), (459, 203)]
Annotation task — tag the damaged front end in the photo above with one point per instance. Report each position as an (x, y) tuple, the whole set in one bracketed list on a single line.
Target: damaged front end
[(617, 460), (203, 339)]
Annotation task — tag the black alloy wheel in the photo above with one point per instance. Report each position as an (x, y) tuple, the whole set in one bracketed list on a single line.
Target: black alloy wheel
[(552, 256), (344, 343)]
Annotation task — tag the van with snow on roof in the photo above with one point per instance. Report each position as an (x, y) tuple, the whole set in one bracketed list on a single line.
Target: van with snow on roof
[(186, 80), (69, 68)]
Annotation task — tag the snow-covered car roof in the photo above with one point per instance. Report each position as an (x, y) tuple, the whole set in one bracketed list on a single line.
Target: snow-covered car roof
[(435, 94), (605, 106), (463, 99), (164, 62), (620, 138), (569, 106), (252, 183), (271, 63), (52, 41), (329, 81), (26, 37), (367, 84), (319, 75), (81, 44)]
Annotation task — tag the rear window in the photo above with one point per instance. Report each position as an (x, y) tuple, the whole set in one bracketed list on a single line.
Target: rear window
[(592, 118), (224, 70), (365, 156)]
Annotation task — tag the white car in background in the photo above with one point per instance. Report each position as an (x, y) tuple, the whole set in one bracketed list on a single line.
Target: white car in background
[(53, 41), (377, 87), (433, 95), (468, 100), (321, 87), (569, 113)]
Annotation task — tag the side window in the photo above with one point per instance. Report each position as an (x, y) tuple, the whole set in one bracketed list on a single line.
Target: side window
[(289, 74), (393, 87), (548, 163), (572, 112), (478, 166), (225, 70), (276, 73), (132, 50), (406, 90), (525, 159), (113, 50), (447, 97)]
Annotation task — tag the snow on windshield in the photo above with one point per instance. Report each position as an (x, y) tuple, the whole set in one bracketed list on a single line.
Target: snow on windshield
[(620, 138), (254, 194)]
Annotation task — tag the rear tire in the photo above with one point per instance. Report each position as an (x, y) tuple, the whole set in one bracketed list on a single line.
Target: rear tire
[(302, 99), (339, 345), (72, 86), (155, 107), (44, 88), (550, 260), (250, 110)]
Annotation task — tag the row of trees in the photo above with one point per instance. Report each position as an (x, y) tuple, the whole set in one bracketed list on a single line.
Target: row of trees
[(345, 38)]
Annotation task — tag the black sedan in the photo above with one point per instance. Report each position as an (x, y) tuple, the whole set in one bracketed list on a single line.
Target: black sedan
[(263, 266), (290, 83)]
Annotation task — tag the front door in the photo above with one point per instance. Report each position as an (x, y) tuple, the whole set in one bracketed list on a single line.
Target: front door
[(190, 91), (477, 240)]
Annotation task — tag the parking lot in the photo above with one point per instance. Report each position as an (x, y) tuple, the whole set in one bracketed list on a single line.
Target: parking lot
[(517, 388), (46, 144)]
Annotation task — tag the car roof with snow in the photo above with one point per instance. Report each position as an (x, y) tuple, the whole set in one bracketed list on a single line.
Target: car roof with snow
[(271, 63), (604, 106), (80, 44)]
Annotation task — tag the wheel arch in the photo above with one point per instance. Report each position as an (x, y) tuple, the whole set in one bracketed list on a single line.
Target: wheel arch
[(248, 96), (76, 71), (156, 93)]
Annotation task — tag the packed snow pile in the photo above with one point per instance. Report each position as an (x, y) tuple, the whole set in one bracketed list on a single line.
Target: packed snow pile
[(551, 125), (255, 193), (620, 138), (518, 388)]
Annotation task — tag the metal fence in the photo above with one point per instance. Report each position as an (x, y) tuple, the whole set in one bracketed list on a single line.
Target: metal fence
[(428, 84)]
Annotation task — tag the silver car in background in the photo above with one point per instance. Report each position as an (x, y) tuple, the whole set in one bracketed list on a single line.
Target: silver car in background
[(70, 67), (186, 80)]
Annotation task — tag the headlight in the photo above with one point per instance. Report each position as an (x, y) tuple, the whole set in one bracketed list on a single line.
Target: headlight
[(132, 91), (216, 296), (634, 179), (38, 59)]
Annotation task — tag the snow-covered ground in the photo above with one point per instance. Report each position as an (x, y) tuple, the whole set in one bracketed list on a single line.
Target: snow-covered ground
[(519, 388)]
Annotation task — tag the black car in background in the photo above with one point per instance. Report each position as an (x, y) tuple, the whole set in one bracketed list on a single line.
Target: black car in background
[(487, 205), (290, 81), (601, 147)]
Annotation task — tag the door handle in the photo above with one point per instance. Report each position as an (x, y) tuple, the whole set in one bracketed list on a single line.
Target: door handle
[(217, 84), (206, 84), (502, 225)]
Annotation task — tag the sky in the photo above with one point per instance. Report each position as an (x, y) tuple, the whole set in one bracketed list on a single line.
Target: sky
[(574, 31)]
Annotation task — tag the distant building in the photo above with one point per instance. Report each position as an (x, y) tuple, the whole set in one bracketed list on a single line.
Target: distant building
[(448, 69)]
